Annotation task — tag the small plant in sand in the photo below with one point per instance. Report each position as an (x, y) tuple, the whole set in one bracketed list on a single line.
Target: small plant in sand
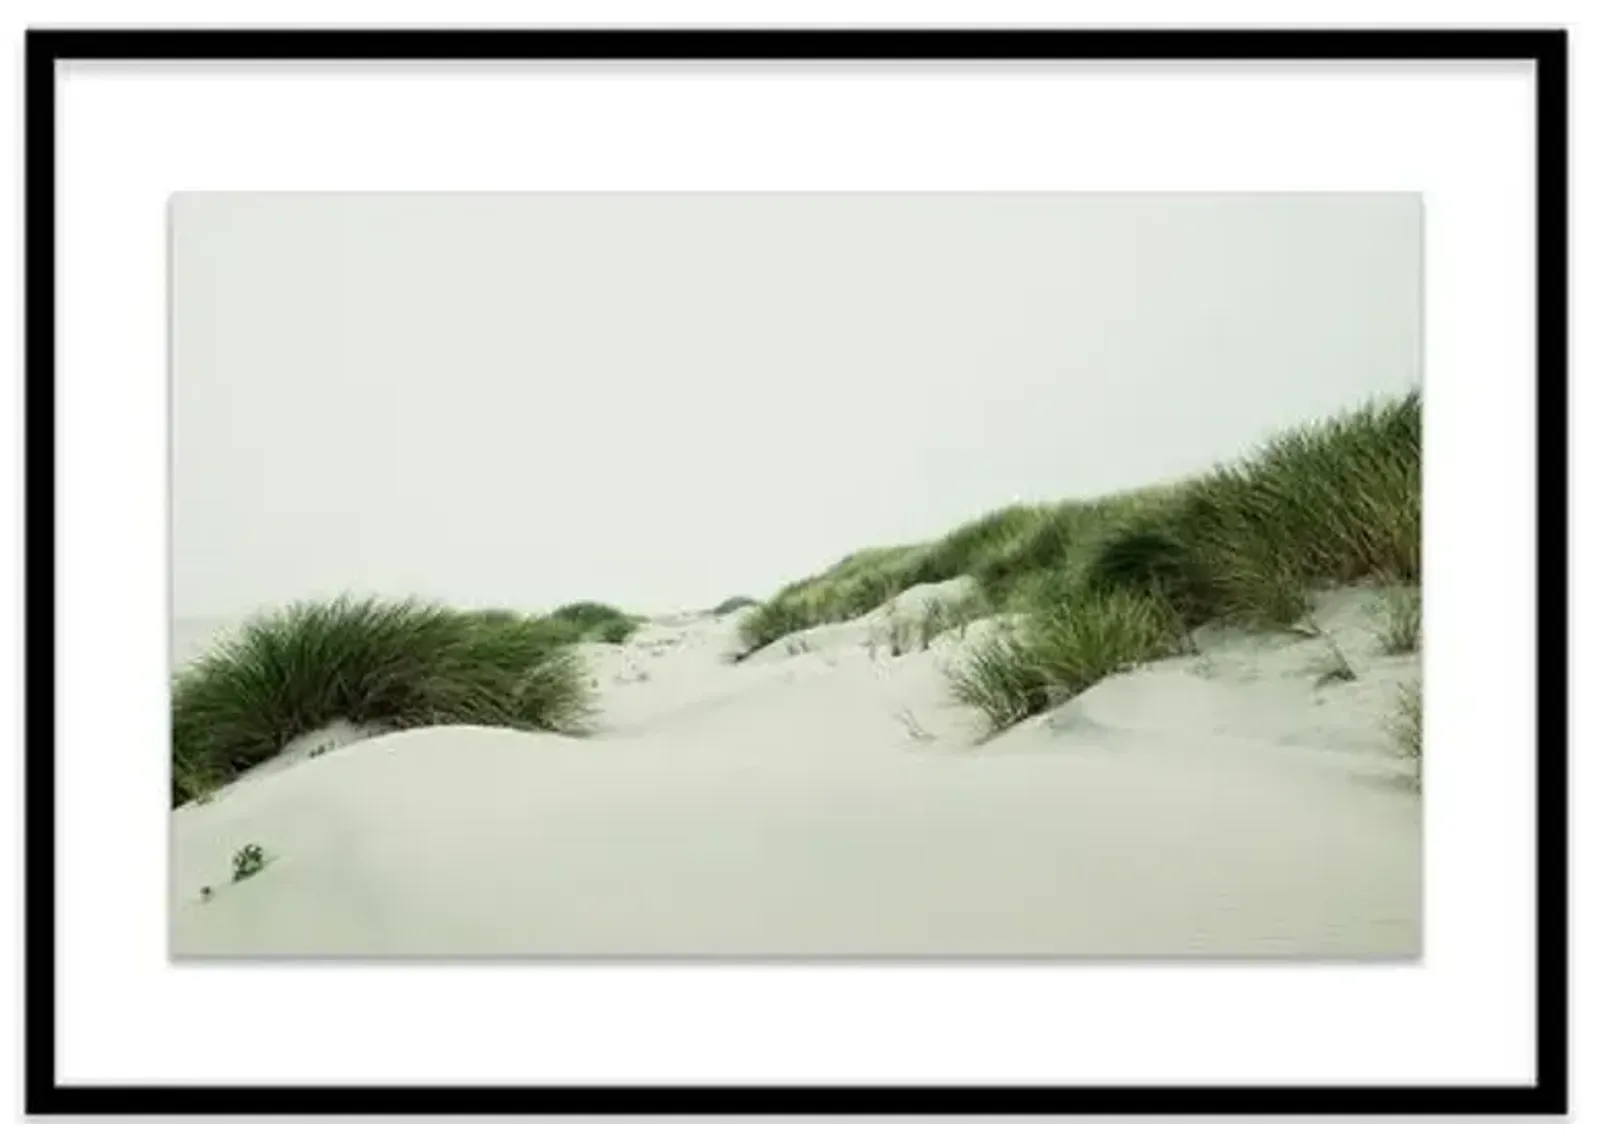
[(941, 615), (1400, 610), (196, 787), (900, 633), (248, 861), (797, 647), (1405, 724)]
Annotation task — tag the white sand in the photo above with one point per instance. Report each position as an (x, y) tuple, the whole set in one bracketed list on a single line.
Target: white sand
[(832, 801)]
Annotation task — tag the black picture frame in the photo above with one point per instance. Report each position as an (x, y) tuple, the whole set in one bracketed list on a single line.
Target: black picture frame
[(1546, 48)]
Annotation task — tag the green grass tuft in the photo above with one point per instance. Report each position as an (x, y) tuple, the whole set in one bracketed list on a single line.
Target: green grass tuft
[(941, 615), (1055, 655), (1077, 646), (597, 621), (1337, 502), (1001, 678), (1402, 620), (1405, 725), (248, 861), (374, 663), (1334, 503)]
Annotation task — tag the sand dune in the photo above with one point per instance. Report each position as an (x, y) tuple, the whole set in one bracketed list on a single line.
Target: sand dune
[(825, 798)]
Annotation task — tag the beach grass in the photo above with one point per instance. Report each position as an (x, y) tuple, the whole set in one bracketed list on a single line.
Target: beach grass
[(1401, 615), (1055, 654), (958, 552), (953, 614), (1332, 503), (1405, 726), (374, 663), (733, 603), (1001, 678), (1337, 502), (1247, 544), (597, 621)]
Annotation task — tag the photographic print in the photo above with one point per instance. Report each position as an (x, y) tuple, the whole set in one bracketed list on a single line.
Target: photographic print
[(723, 575), (580, 564)]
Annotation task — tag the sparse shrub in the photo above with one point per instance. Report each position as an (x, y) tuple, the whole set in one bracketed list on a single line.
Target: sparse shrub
[(1402, 619), (937, 616), (1405, 725), (248, 861), (387, 665), (941, 615), (901, 633)]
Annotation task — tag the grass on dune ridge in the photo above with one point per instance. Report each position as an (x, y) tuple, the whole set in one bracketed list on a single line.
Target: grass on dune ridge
[(597, 621), (374, 663), (1098, 585), (1089, 588)]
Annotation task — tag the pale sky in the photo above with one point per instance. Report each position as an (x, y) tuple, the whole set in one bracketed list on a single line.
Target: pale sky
[(663, 400)]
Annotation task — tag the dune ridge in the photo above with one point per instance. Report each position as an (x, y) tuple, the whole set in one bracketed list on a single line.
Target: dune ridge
[(834, 801), (1183, 720)]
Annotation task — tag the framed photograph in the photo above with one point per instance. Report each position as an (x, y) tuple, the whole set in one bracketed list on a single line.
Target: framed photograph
[(796, 572)]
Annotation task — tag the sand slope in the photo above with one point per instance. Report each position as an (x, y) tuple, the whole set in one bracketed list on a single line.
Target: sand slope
[(831, 800)]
